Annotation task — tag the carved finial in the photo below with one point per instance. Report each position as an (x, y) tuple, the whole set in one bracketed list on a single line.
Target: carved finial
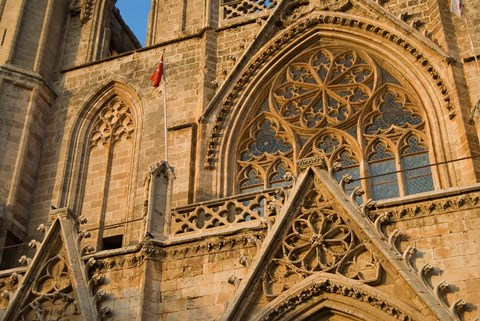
[(105, 311), (14, 278), (424, 271), (367, 206), (233, 280), (25, 260), (42, 228), (357, 192), (6, 295), (416, 23), (407, 255), (82, 220), (83, 235), (88, 249), (457, 307), (243, 260), (346, 179), (439, 289), (99, 295), (403, 16), (34, 244), (392, 240), (381, 219)]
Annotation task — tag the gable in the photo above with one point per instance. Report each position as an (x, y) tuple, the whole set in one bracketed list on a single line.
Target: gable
[(323, 245), (54, 285)]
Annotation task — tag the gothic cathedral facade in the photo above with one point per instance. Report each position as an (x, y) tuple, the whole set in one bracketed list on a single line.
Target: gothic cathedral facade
[(307, 160)]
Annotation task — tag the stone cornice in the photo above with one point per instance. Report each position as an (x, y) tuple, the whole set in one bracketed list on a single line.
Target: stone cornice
[(158, 250)]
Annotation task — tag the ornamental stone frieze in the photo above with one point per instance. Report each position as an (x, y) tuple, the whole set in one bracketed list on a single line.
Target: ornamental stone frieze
[(306, 296), (430, 207)]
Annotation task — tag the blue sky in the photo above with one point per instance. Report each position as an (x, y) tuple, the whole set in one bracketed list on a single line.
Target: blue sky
[(135, 14)]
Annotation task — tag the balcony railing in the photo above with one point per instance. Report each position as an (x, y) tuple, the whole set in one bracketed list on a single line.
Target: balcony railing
[(246, 210), (239, 8)]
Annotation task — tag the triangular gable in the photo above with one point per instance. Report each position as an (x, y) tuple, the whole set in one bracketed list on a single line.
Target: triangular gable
[(55, 284), (322, 236)]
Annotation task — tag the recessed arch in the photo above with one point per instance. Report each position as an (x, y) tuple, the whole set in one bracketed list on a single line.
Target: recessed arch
[(323, 295), (401, 68), (103, 149)]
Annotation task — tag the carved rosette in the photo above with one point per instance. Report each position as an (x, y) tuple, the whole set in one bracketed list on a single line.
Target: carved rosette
[(318, 240), (329, 86)]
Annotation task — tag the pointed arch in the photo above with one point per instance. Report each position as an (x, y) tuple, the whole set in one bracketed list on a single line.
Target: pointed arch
[(103, 152), (323, 295), (301, 84)]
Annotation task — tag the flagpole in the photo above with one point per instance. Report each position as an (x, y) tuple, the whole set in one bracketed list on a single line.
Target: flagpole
[(165, 106), (471, 43)]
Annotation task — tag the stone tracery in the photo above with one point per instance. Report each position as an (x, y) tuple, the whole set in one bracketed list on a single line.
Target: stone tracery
[(319, 240), (340, 104), (52, 294)]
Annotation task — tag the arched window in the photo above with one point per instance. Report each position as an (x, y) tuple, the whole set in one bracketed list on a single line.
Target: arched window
[(381, 160), (109, 162), (340, 104), (414, 156)]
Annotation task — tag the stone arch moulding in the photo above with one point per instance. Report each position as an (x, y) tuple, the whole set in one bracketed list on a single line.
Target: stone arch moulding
[(358, 33), (75, 167), (323, 294)]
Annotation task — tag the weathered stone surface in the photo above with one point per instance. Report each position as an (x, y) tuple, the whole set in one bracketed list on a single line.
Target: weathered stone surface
[(257, 93)]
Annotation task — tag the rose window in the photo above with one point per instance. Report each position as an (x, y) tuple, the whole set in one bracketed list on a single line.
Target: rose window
[(318, 240), (330, 87)]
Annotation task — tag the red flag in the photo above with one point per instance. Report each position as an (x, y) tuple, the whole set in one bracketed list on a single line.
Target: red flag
[(456, 7), (158, 74)]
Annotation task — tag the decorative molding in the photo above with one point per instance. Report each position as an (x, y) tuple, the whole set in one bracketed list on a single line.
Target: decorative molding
[(215, 245), (149, 249), (438, 206), (115, 263), (317, 289), (327, 20), (305, 163)]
